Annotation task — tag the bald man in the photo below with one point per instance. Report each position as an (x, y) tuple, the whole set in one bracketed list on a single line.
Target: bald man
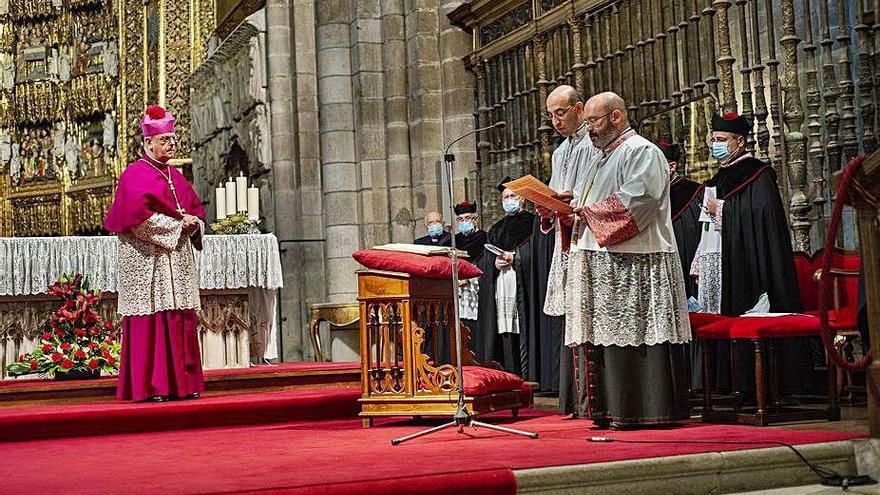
[(548, 359), (626, 304)]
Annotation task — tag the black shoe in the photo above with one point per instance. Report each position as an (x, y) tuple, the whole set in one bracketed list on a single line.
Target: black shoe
[(601, 423), (158, 398), (188, 396)]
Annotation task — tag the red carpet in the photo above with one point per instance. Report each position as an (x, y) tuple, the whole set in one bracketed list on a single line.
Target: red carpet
[(103, 418), (338, 457)]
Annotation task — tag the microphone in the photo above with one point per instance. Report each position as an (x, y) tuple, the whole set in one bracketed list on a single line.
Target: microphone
[(450, 158)]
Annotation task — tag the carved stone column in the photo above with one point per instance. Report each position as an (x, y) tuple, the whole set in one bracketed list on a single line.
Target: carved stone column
[(725, 58), (794, 139)]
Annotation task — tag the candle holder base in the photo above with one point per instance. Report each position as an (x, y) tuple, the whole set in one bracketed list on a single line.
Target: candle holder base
[(236, 224)]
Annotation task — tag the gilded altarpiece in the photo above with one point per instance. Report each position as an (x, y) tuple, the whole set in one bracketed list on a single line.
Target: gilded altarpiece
[(75, 77)]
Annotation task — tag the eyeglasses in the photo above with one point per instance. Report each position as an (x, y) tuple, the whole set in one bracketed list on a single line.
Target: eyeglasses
[(466, 217), (559, 113), (166, 140), (591, 121)]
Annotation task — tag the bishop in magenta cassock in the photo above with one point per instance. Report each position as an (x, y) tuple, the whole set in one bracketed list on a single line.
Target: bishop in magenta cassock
[(159, 220)]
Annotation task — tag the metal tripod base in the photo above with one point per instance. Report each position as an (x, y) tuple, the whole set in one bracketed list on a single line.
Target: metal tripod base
[(461, 420)]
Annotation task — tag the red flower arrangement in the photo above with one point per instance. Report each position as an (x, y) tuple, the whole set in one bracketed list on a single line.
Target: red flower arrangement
[(73, 340)]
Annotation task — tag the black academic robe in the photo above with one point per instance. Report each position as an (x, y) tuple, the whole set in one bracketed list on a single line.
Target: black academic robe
[(542, 335), (685, 198), (473, 244), (444, 239), (756, 254), (756, 257), (511, 233)]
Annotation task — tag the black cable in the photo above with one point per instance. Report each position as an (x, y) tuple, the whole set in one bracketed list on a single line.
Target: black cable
[(829, 476)]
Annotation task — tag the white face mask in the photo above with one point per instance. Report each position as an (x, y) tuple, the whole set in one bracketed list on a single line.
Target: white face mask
[(511, 206)]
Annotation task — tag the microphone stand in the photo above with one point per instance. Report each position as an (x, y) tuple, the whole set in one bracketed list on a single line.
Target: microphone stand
[(462, 416)]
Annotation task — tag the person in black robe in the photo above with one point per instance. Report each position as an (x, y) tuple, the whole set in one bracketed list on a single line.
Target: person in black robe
[(685, 197), (756, 252), (437, 234), (471, 239), (499, 325)]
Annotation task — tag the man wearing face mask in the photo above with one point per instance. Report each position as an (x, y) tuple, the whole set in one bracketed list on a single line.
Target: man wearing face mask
[(472, 239), (755, 250), (756, 255), (503, 285), (437, 235)]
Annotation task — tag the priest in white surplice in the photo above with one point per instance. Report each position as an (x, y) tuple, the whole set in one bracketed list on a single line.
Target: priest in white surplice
[(565, 109), (625, 292)]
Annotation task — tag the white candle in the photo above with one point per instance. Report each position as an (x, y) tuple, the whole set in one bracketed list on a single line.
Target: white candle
[(220, 194), (241, 192), (230, 197), (253, 204)]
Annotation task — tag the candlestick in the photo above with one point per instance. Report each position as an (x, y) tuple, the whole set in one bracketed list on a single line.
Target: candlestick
[(230, 197), (220, 194), (241, 192), (253, 204)]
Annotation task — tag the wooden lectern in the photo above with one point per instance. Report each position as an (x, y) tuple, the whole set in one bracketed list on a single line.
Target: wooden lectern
[(402, 316)]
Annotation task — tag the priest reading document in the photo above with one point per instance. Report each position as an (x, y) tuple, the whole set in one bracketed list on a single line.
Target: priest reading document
[(625, 293), (159, 220)]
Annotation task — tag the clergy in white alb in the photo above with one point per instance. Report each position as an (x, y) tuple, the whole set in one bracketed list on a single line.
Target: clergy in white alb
[(626, 302), (565, 109)]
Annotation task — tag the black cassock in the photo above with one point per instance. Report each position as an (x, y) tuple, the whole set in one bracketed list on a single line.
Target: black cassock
[(685, 197), (444, 239), (511, 233), (473, 244), (756, 257), (541, 335)]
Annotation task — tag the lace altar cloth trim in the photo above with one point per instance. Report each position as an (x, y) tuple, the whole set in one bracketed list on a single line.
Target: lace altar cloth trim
[(28, 265)]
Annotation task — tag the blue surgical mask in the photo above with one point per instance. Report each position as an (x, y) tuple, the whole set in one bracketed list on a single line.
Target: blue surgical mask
[(511, 206), (465, 226), (435, 230), (720, 151)]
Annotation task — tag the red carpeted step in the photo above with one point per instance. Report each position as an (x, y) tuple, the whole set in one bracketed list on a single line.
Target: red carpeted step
[(105, 418)]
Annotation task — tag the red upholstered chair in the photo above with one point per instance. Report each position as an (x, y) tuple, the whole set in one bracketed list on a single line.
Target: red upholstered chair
[(765, 333)]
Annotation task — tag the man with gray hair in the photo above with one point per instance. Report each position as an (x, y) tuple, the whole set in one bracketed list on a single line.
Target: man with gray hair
[(626, 304)]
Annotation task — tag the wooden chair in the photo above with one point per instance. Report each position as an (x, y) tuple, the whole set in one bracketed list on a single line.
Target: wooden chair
[(765, 335), (401, 318)]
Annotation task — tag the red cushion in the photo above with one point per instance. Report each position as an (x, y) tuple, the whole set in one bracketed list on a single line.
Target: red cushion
[(717, 330), (481, 381), (699, 320), (772, 327), (415, 264)]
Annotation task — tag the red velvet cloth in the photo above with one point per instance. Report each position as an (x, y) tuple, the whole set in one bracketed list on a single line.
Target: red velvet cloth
[(439, 267), (699, 320), (160, 356), (774, 327), (717, 330), (481, 381)]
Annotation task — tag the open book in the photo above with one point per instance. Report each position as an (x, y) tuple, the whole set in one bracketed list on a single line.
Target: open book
[(538, 193), (420, 249)]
